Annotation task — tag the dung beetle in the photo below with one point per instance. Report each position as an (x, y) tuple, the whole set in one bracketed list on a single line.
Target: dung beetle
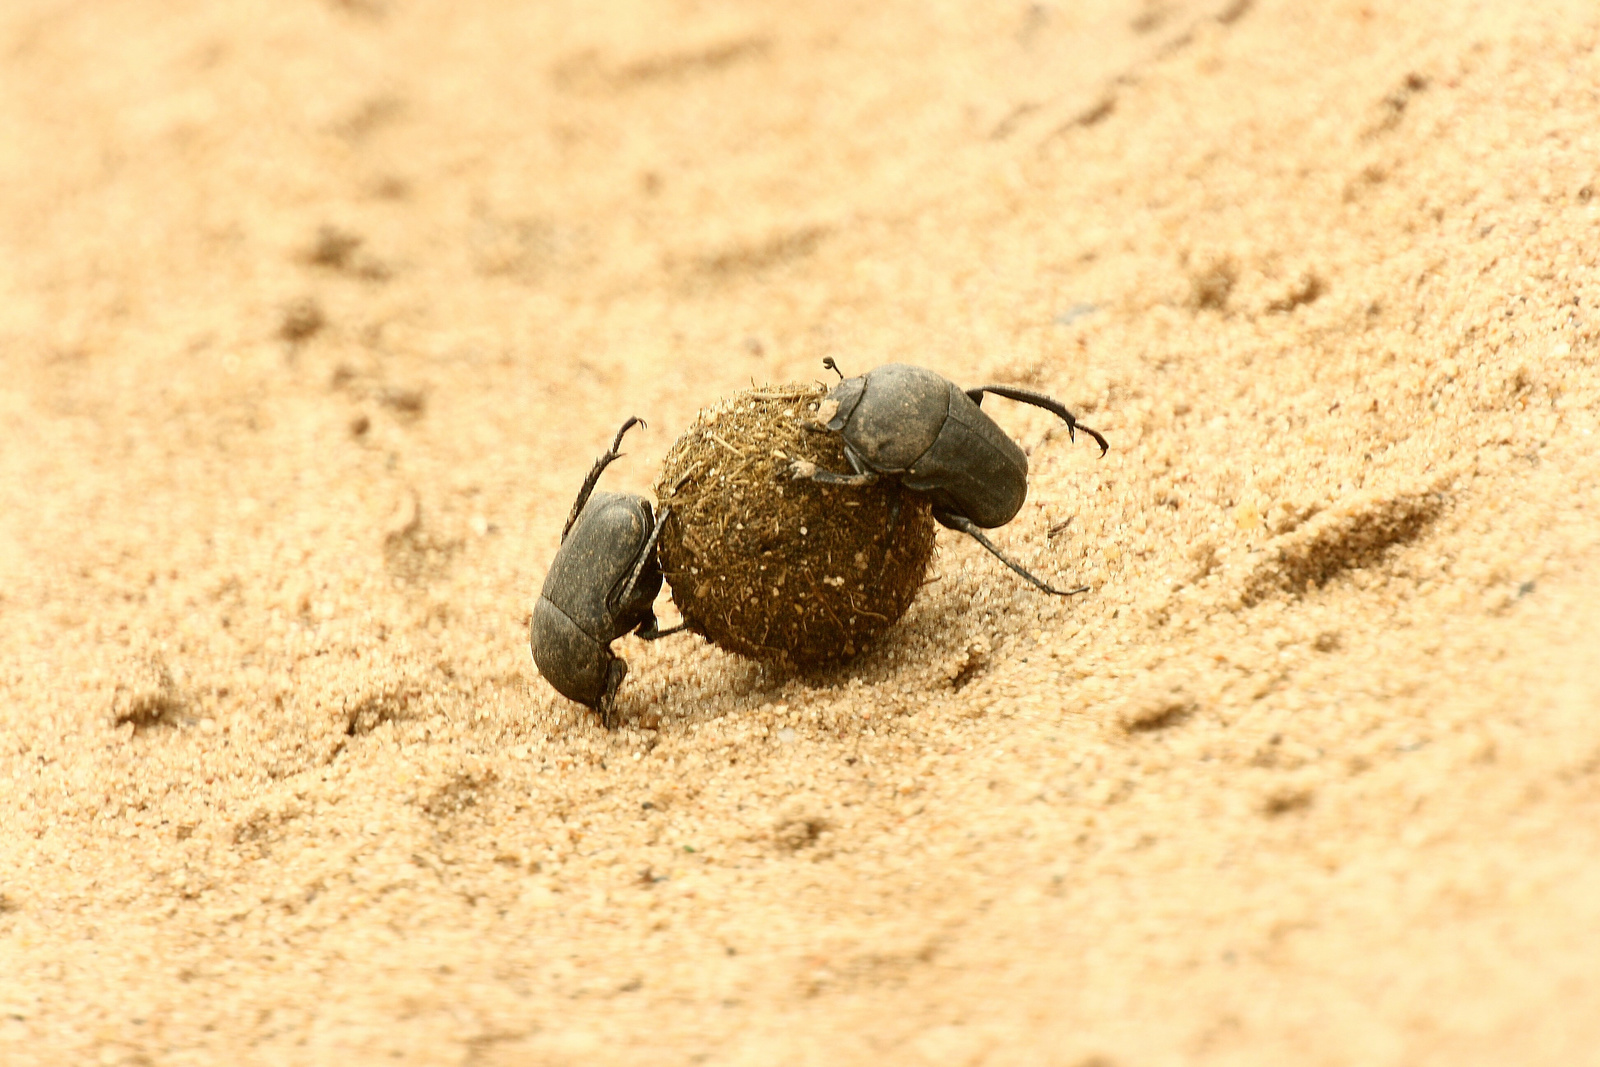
[(909, 423), (601, 585)]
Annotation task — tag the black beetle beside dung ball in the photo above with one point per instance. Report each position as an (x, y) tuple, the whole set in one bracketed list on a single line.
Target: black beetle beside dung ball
[(775, 569), (602, 585)]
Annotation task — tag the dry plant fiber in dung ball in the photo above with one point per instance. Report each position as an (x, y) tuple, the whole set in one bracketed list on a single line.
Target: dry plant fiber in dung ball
[(778, 569)]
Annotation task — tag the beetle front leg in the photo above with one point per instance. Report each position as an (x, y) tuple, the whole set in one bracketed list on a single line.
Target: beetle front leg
[(965, 525), (894, 515), (803, 470), (606, 706), (650, 629)]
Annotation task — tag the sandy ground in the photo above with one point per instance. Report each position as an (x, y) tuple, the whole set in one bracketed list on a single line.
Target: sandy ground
[(313, 315)]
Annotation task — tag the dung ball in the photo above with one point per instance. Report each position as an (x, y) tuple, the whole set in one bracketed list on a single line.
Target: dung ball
[(778, 569)]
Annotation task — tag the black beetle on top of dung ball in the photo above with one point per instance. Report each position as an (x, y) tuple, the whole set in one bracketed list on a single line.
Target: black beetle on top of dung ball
[(924, 431), (601, 586)]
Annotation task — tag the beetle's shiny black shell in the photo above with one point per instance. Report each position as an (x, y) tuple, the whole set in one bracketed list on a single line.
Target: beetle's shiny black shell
[(573, 626), (912, 422)]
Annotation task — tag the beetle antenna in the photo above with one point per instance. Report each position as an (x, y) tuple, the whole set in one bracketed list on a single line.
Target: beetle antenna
[(827, 361), (966, 526), (611, 456), (1039, 400)]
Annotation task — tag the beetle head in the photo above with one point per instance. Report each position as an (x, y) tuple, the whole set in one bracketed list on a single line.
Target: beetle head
[(842, 400)]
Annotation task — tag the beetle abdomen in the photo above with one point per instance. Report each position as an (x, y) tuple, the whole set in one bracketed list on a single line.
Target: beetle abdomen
[(974, 469), (570, 660)]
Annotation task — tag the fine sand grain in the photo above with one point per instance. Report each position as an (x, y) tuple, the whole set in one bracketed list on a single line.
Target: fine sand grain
[(314, 314)]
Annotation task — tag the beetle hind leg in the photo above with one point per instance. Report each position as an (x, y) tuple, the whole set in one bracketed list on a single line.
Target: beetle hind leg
[(1040, 400), (965, 525), (610, 457)]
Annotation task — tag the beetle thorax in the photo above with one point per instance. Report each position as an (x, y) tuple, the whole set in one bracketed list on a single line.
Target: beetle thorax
[(896, 415)]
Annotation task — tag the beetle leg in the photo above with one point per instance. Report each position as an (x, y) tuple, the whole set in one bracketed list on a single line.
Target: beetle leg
[(895, 499), (611, 456), (650, 629), (827, 361), (805, 470), (966, 526), (646, 554), (1039, 400), (616, 671)]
